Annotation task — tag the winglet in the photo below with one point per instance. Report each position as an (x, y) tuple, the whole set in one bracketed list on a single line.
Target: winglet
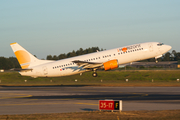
[(13, 43)]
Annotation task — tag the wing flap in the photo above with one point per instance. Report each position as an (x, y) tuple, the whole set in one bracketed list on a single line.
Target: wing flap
[(87, 65)]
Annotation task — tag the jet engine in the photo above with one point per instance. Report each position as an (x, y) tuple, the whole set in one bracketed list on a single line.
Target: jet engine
[(112, 64)]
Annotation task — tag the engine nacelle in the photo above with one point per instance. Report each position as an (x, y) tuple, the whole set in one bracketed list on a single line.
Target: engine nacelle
[(112, 64)]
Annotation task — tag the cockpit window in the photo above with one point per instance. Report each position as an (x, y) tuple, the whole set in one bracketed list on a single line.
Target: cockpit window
[(160, 44)]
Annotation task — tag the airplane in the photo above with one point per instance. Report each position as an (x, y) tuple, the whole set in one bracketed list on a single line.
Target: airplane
[(105, 60)]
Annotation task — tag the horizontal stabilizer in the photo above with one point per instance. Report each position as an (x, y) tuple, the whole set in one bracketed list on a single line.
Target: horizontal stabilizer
[(21, 70)]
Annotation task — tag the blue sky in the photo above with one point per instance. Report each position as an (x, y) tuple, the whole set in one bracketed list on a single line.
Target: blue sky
[(52, 27)]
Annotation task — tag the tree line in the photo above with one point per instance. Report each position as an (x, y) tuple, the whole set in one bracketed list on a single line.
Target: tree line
[(73, 53), (8, 63), (11, 62)]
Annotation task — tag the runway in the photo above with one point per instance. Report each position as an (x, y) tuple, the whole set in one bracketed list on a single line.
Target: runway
[(62, 99)]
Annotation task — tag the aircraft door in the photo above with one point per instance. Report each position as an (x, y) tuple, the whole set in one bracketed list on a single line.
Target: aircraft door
[(151, 47), (45, 70)]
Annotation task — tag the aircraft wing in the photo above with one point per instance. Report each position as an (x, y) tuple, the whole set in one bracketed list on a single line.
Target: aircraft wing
[(88, 65)]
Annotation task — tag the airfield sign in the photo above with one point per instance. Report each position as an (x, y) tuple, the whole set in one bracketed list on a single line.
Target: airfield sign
[(110, 105)]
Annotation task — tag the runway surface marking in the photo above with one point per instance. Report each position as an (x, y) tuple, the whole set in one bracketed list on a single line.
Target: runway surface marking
[(45, 104), (87, 104), (17, 95), (14, 95)]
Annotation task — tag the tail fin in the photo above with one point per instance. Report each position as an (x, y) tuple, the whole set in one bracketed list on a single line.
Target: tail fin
[(25, 58)]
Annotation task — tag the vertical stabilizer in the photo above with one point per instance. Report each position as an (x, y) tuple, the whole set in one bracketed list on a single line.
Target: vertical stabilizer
[(25, 58)]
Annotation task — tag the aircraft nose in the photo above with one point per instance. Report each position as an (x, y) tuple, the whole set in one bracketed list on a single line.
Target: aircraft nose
[(168, 47)]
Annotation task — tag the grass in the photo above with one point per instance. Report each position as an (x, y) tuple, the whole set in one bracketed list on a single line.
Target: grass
[(105, 78), (97, 115)]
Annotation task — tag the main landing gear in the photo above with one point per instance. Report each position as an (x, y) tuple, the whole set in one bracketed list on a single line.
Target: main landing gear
[(157, 58), (156, 61), (94, 73)]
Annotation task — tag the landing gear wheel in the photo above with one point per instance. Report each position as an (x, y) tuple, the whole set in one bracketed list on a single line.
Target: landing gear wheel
[(94, 74), (156, 61)]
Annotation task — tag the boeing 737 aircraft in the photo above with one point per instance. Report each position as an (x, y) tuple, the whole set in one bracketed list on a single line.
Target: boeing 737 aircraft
[(106, 60)]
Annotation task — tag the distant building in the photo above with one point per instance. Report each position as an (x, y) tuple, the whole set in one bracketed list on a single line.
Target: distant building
[(166, 64)]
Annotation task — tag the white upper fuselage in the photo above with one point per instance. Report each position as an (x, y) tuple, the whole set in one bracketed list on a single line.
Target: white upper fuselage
[(131, 53)]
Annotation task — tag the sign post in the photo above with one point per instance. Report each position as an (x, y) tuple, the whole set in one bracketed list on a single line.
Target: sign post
[(110, 105)]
